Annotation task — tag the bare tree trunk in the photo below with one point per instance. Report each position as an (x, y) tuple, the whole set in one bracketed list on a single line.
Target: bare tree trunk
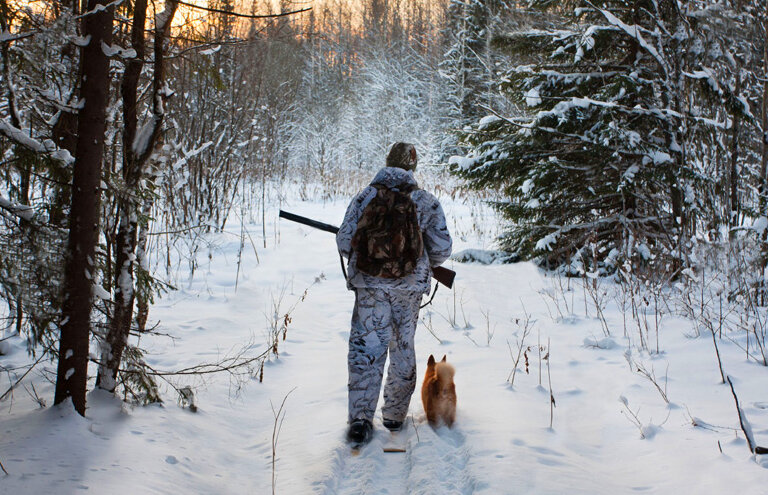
[(763, 186), (72, 374), (137, 148), (733, 217), (763, 189), (676, 132), (122, 309)]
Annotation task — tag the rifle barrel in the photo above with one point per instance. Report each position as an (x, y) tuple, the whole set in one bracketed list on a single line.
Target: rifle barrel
[(309, 222)]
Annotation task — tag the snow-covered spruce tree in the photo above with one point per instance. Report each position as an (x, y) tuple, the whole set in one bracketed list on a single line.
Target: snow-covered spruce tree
[(468, 63), (730, 44), (616, 95), (36, 150)]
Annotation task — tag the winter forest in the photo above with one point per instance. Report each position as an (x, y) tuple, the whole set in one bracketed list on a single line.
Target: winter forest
[(603, 169)]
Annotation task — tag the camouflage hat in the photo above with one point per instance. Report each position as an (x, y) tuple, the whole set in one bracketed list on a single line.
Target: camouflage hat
[(402, 155)]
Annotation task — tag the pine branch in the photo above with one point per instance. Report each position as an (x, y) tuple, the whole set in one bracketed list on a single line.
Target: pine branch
[(46, 147), (22, 211)]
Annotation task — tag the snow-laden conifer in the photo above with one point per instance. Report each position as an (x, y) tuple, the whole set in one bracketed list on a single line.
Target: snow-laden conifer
[(615, 101)]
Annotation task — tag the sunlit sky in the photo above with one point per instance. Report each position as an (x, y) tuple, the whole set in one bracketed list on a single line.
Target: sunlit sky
[(189, 18), (187, 15)]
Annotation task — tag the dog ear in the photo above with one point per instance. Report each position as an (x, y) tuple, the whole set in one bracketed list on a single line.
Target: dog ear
[(444, 356), (431, 360)]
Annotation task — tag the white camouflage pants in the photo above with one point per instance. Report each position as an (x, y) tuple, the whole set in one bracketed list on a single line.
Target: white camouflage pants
[(382, 320)]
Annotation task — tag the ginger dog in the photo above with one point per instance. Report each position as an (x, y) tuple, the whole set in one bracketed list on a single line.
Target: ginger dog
[(438, 393)]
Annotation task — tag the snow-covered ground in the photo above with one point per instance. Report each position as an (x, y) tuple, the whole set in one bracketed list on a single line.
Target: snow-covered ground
[(502, 442)]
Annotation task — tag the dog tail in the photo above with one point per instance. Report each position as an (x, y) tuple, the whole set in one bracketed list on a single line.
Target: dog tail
[(444, 371)]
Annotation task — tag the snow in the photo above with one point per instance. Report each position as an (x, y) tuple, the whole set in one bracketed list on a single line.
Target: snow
[(532, 97), (563, 107), (659, 157), (141, 141), (603, 343), (187, 155), (81, 41), (501, 444), (101, 292), (760, 225), (110, 50), (7, 36), (527, 186), (22, 211), (545, 243), (45, 147), (644, 251), (634, 32), (127, 53), (124, 281), (487, 120), (707, 75), (483, 256), (211, 51), (161, 19), (533, 203), (629, 174), (462, 162), (587, 42)]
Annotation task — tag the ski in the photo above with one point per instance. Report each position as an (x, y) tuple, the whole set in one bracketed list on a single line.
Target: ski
[(397, 441)]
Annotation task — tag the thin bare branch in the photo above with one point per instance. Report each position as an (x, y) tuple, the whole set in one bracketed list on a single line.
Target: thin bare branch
[(245, 16)]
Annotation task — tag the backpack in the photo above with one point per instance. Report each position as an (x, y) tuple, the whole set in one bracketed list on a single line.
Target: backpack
[(388, 239)]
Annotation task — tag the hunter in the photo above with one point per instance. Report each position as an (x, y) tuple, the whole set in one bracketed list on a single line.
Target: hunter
[(392, 235)]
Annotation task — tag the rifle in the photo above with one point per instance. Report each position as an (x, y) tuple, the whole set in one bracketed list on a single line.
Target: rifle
[(443, 275)]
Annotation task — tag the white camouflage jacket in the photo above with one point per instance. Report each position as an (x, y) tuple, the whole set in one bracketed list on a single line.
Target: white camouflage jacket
[(434, 231)]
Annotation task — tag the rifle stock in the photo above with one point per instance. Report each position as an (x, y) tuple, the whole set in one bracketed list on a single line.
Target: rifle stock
[(443, 275)]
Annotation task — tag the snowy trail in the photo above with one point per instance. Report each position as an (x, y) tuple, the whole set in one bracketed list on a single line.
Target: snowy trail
[(370, 471), (440, 461), (434, 462)]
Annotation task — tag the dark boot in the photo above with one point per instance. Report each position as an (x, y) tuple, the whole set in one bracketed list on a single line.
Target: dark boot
[(392, 425), (360, 432)]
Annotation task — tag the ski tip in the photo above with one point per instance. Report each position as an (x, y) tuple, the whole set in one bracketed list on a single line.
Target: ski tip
[(394, 449)]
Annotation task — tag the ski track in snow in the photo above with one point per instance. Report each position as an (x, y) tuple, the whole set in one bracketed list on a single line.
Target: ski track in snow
[(434, 462)]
